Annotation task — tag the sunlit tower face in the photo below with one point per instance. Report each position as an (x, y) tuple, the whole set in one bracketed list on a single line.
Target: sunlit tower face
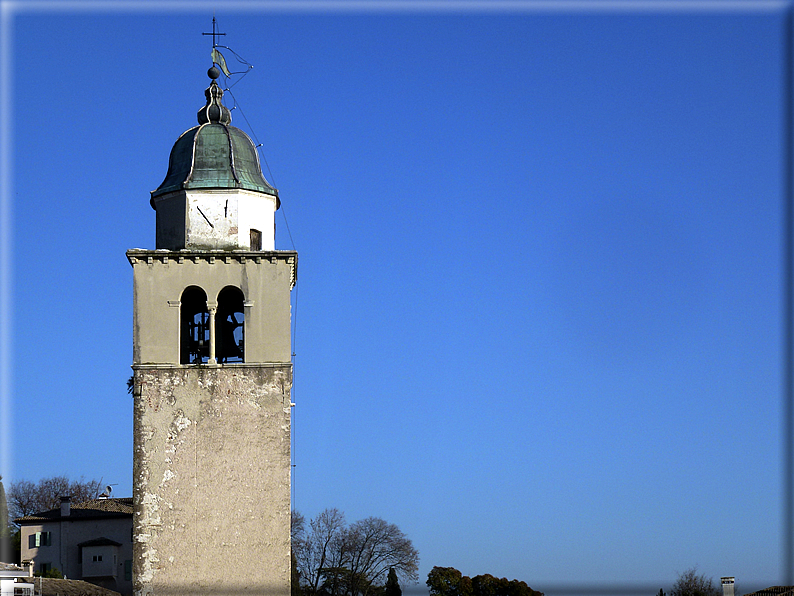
[(213, 372)]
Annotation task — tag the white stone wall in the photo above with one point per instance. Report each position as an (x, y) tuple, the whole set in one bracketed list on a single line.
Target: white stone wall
[(215, 219)]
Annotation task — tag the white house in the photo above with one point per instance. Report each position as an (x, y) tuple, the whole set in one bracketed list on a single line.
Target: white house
[(91, 541)]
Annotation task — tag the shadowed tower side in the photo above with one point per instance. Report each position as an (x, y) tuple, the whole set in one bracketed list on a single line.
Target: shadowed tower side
[(213, 373)]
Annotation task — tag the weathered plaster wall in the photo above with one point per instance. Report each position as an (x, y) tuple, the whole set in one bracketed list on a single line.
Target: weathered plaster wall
[(212, 479)]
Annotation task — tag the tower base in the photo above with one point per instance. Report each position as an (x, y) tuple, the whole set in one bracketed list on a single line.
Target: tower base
[(211, 479)]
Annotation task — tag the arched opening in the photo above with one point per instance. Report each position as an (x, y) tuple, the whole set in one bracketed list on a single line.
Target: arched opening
[(230, 326), (195, 320)]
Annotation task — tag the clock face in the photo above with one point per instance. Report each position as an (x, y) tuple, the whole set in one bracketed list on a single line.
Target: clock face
[(204, 215), (207, 212), (212, 221)]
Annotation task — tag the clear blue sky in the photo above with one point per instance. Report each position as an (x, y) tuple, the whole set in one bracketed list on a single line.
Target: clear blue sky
[(539, 299)]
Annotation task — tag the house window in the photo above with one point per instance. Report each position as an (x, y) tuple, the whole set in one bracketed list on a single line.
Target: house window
[(40, 539), (128, 570), (195, 336), (45, 567), (97, 558), (230, 326), (256, 240)]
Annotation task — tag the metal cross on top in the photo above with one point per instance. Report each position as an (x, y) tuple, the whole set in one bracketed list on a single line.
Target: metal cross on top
[(214, 33)]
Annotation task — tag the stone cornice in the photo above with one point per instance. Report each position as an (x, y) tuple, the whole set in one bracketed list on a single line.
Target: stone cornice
[(159, 366), (165, 256)]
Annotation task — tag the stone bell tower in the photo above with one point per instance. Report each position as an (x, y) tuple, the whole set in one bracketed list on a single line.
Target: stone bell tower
[(213, 373)]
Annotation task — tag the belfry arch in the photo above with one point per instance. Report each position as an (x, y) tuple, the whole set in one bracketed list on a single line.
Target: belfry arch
[(230, 326), (194, 327)]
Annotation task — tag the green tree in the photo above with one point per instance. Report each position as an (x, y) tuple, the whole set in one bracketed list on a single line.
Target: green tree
[(486, 585), (3, 510), (448, 581), (52, 572), (689, 583), (5, 531), (393, 584)]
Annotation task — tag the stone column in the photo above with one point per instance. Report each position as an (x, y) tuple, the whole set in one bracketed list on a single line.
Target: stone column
[(213, 308)]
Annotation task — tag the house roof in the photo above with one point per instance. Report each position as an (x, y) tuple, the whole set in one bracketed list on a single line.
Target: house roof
[(775, 591), (68, 587), (96, 508)]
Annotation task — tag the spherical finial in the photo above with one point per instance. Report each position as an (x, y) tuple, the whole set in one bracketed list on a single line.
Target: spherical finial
[(214, 72)]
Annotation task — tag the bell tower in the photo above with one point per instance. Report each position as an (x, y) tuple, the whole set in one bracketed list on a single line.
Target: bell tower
[(212, 373)]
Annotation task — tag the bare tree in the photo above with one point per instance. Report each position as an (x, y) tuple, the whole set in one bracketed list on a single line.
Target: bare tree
[(374, 546), (22, 499), (315, 548), (27, 498), (297, 539), (339, 560), (689, 583), (297, 527)]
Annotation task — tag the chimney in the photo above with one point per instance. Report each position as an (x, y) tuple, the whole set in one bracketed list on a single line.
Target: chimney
[(66, 507), (29, 565), (727, 585)]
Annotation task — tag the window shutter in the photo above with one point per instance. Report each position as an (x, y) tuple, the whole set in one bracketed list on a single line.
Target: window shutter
[(256, 240)]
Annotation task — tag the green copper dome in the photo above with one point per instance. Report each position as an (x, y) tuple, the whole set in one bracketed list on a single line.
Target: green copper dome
[(214, 155)]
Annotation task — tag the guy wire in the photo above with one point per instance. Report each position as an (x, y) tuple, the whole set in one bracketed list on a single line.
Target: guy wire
[(295, 312)]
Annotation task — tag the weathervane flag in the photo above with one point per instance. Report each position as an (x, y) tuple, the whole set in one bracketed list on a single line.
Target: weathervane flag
[(217, 58)]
